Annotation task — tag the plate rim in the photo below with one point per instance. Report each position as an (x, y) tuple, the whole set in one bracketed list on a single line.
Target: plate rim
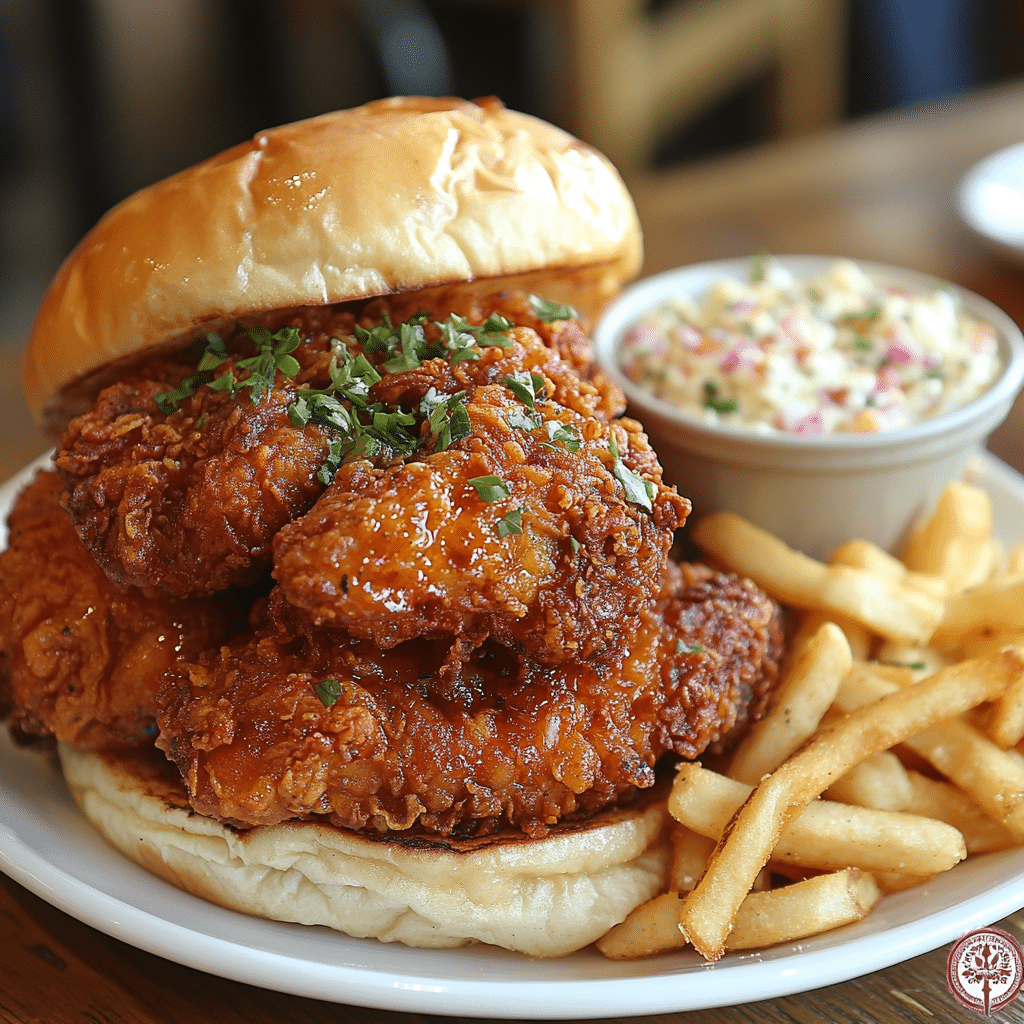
[(967, 190)]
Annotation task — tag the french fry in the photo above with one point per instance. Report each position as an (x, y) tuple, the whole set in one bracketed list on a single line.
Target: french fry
[(859, 637), (795, 911), (921, 661), (825, 835), (891, 610), (1006, 722), (862, 554), (947, 802), (709, 911), (651, 928), (895, 881), (1015, 561), (804, 908), (993, 778), (956, 542), (690, 852), (995, 607), (803, 696), (981, 643), (868, 682), (879, 781)]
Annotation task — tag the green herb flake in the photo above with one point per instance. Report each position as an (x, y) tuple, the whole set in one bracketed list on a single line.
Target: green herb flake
[(575, 545), (168, 401), (529, 388), (759, 268), (511, 524), (494, 332), (447, 418), (549, 311), (490, 488), (638, 490), (685, 648), (527, 422), (328, 691), (561, 434), (410, 349), (215, 353), (712, 399)]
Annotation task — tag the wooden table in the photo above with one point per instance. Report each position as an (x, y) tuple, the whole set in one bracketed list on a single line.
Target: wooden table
[(882, 190)]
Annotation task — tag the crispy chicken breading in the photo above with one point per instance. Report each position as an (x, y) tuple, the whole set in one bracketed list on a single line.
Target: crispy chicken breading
[(475, 620), (83, 657), (178, 485), (268, 730), (543, 529), (187, 502)]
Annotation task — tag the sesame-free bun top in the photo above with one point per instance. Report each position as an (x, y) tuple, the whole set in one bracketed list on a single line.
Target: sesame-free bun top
[(399, 194)]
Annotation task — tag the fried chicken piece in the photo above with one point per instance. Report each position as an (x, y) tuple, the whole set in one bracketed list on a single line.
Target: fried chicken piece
[(188, 503), (328, 725), (566, 338), (544, 529), (82, 657)]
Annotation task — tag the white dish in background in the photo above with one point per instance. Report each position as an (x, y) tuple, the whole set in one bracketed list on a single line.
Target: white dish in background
[(48, 847), (991, 200)]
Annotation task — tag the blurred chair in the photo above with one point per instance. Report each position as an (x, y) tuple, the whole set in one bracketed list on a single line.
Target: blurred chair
[(638, 70)]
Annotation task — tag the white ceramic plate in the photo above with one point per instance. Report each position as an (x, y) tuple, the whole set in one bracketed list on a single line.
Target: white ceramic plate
[(991, 200), (48, 847)]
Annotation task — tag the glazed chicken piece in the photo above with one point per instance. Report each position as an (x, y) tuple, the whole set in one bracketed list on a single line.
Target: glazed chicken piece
[(268, 730), (565, 337), (178, 486), (541, 528), (82, 658)]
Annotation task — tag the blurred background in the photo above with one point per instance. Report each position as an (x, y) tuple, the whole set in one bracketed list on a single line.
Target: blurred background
[(101, 97)]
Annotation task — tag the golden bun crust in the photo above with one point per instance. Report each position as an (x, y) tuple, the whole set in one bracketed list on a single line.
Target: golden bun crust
[(395, 195), (544, 897)]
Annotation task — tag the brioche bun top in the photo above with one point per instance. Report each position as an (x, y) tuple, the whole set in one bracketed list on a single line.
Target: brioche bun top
[(399, 194)]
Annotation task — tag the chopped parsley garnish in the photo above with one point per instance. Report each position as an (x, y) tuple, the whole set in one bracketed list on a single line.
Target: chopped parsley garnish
[(563, 434), (759, 267), (447, 418), (549, 311), (685, 648), (328, 690), (168, 401), (407, 346), (274, 354), (410, 347), (524, 421), (511, 524), (638, 491), (713, 401), (575, 545), (529, 388), (490, 488), (216, 352)]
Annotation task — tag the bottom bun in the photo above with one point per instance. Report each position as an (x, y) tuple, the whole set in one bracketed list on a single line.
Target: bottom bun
[(544, 897)]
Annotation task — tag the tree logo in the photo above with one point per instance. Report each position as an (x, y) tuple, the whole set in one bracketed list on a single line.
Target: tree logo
[(985, 970)]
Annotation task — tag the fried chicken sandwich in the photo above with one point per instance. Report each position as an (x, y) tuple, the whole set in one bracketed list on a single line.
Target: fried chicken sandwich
[(348, 595)]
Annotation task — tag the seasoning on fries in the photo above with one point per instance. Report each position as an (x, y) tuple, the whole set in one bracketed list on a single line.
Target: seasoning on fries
[(895, 665)]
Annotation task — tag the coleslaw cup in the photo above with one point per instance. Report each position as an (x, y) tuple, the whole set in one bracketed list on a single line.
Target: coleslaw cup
[(814, 492)]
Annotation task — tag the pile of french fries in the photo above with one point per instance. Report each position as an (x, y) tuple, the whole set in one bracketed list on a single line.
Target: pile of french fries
[(892, 749)]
